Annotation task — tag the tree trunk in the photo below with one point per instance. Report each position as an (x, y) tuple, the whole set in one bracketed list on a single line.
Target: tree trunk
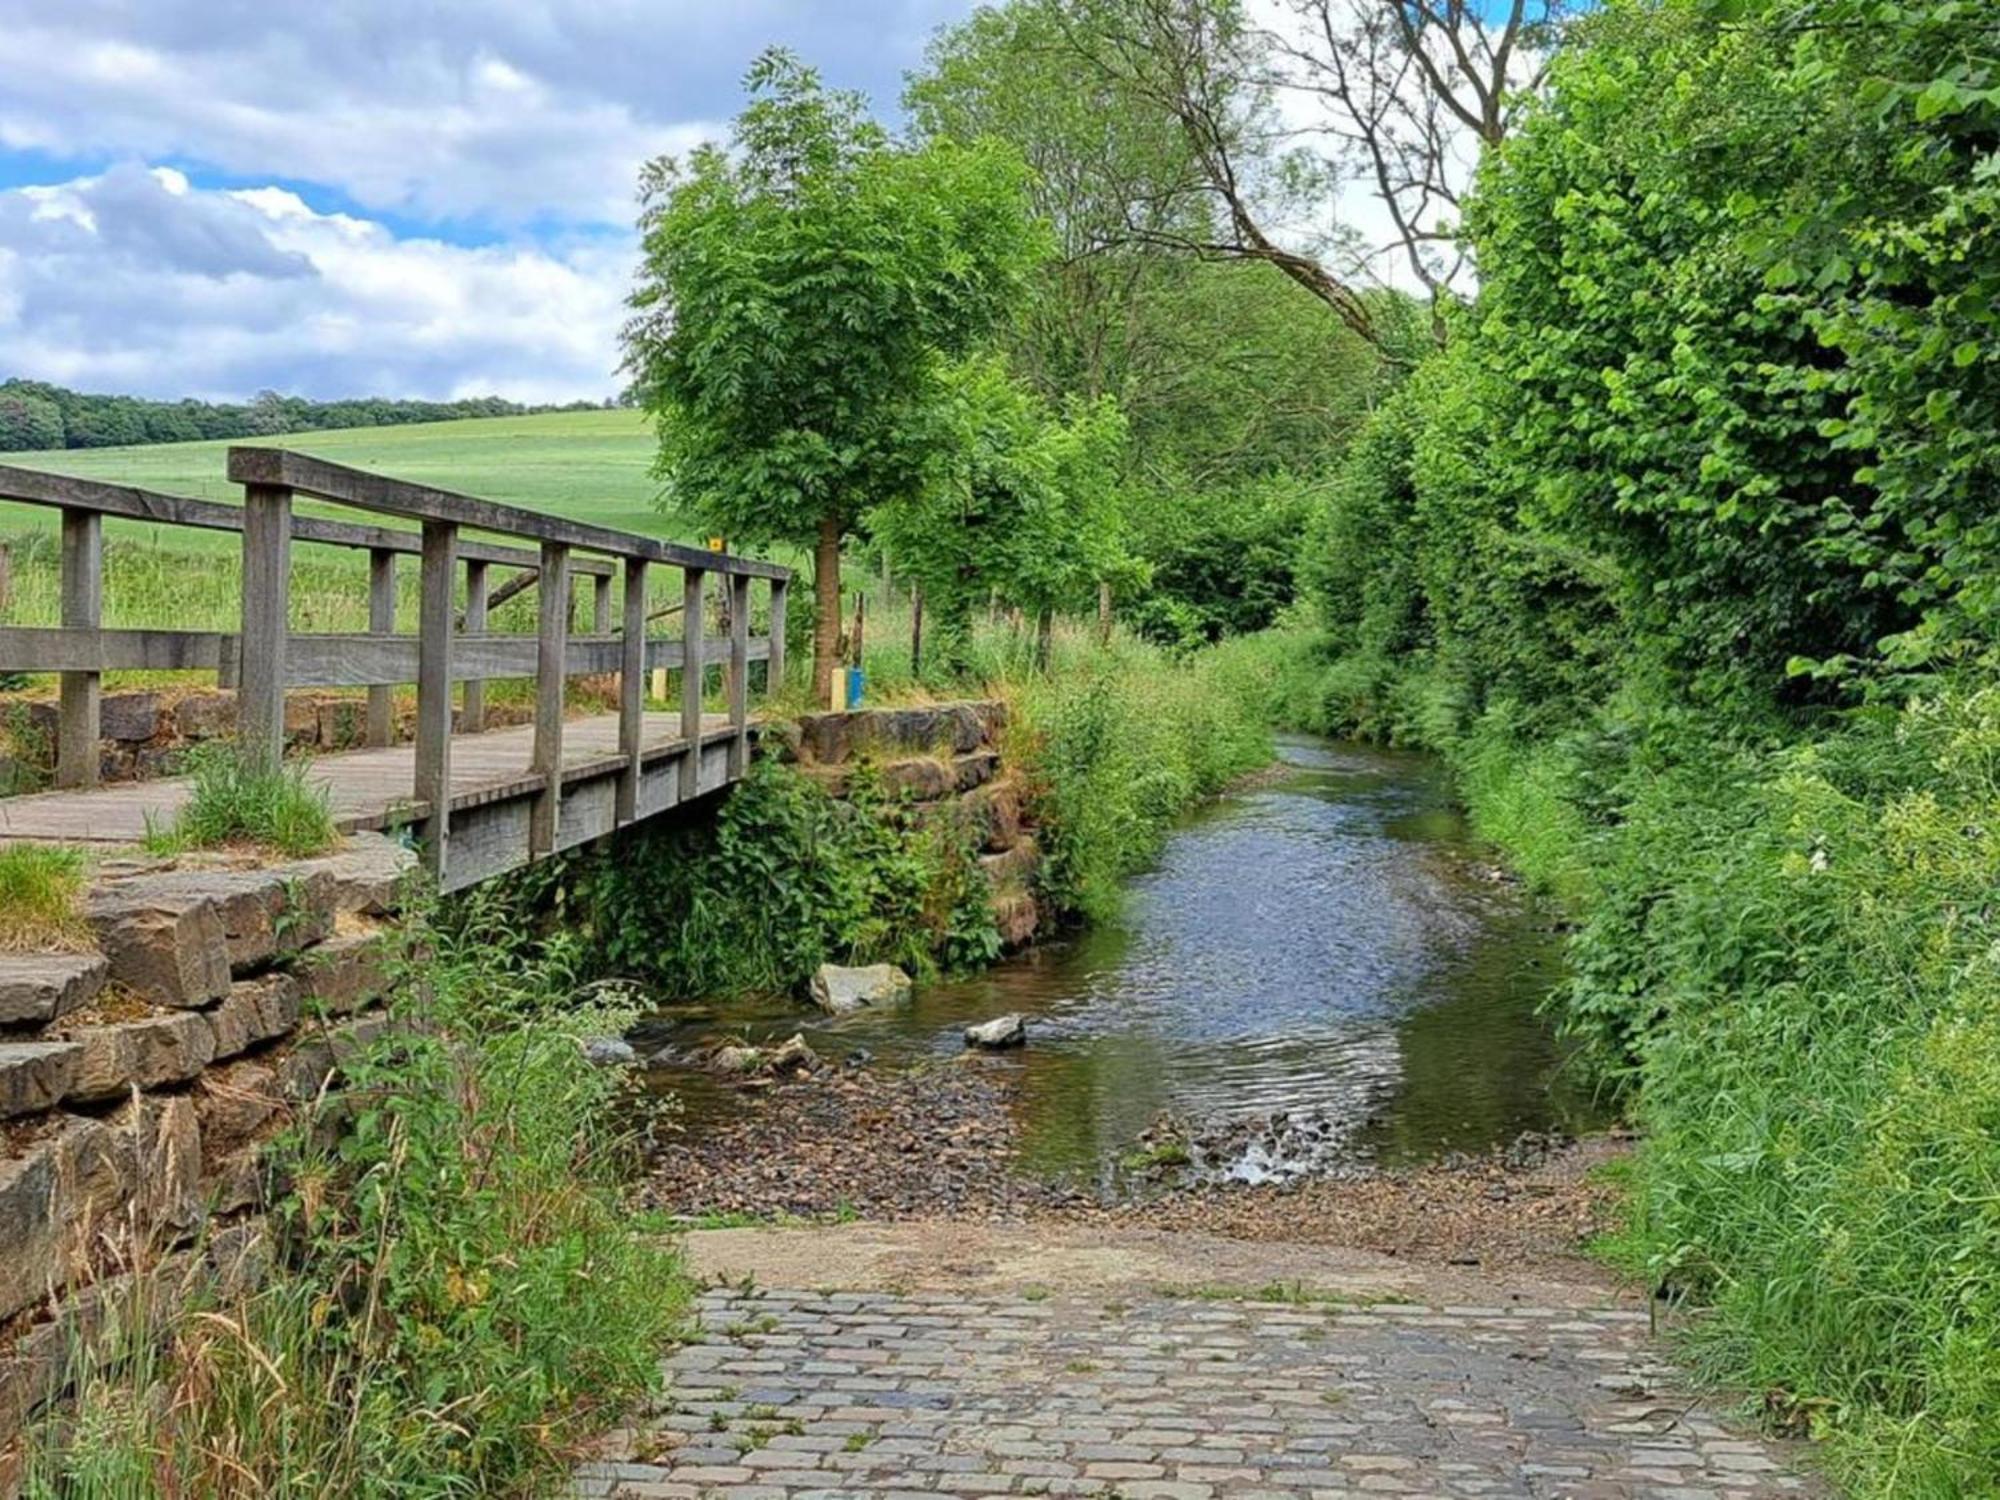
[(826, 609), (1104, 614), (1045, 630)]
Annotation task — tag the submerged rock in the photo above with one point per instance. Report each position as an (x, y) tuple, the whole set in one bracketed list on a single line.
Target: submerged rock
[(841, 991), (609, 1052), (1001, 1031), (747, 1062)]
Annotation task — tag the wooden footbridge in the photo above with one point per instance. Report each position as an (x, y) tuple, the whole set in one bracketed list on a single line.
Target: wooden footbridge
[(480, 801)]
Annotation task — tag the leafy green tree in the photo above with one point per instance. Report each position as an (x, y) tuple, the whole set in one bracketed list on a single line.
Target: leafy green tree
[(798, 295), (1025, 506), (28, 422)]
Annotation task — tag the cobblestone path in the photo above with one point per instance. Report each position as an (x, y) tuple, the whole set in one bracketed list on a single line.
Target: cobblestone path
[(796, 1394)]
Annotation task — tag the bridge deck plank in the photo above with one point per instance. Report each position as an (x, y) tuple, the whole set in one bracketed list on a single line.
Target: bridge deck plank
[(364, 787)]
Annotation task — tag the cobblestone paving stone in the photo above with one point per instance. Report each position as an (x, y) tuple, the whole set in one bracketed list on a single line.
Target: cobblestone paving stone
[(800, 1396)]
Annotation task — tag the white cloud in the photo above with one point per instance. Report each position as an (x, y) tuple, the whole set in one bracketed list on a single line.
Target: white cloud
[(501, 111), (132, 280)]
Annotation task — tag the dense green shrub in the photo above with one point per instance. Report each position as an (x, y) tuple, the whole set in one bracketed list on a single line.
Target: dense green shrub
[(782, 879)]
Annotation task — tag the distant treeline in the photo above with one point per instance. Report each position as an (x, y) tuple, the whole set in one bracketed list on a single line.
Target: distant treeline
[(36, 415)]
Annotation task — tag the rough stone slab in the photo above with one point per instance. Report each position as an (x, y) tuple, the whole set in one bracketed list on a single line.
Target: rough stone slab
[(839, 990), (152, 1053), (1017, 916), (938, 728), (51, 1198), (345, 974), (43, 987), (168, 947), (235, 1104), (309, 1067), (255, 1010), (369, 874), (162, 1135), (35, 1076), (264, 914), (1015, 869)]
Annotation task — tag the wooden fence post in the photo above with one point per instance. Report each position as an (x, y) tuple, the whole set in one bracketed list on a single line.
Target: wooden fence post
[(916, 630), (472, 717), (600, 604), (739, 672), (632, 690), (82, 608), (381, 621), (434, 624), (774, 669), (551, 668), (694, 664), (267, 582)]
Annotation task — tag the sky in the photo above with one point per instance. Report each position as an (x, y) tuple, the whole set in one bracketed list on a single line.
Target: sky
[(417, 198)]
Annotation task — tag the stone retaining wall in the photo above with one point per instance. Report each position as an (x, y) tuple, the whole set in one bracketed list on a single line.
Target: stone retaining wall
[(946, 758), (140, 1078)]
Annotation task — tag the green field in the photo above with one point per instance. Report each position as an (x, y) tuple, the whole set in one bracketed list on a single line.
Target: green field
[(589, 465)]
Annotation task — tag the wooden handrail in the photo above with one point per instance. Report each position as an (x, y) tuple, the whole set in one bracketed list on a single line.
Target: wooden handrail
[(282, 468), (64, 491)]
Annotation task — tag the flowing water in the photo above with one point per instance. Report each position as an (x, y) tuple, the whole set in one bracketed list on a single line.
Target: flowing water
[(1321, 970)]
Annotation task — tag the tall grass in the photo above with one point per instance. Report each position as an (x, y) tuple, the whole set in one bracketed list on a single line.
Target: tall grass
[(40, 887), (235, 801), (458, 1295)]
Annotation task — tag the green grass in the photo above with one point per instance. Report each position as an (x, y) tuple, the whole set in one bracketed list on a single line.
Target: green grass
[(589, 465), (40, 885), (236, 803)]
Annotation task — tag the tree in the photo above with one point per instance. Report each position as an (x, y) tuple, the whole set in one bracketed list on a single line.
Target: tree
[(798, 295), (28, 422), (1026, 506)]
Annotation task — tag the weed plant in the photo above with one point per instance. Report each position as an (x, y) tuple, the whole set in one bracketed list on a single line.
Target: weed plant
[(40, 886), (236, 801)]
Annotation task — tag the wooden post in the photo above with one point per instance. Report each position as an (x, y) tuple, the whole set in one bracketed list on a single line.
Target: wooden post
[(6, 579), (1104, 612), (693, 660), (774, 669), (632, 689), (739, 673), (600, 604), (916, 630), (82, 609), (551, 665), (1045, 636), (381, 621), (267, 575), (472, 716), (434, 622)]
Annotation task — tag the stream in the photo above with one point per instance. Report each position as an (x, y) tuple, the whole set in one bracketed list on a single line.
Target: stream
[(1322, 971)]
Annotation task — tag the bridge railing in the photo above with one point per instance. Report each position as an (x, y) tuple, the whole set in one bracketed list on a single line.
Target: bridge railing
[(267, 657)]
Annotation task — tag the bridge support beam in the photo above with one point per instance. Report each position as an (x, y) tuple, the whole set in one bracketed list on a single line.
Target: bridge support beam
[(694, 664), (774, 671), (552, 649), (739, 673), (472, 715), (267, 597), (434, 625), (382, 621), (82, 608), (632, 689)]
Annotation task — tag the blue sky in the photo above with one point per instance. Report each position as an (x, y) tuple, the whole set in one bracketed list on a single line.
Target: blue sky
[(399, 197)]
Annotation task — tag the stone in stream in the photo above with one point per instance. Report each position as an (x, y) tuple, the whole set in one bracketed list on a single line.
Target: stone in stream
[(609, 1052), (1001, 1031), (840, 991), (742, 1061)]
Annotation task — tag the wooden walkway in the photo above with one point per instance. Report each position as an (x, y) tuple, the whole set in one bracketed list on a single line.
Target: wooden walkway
[(479, 803), (370, 789)]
